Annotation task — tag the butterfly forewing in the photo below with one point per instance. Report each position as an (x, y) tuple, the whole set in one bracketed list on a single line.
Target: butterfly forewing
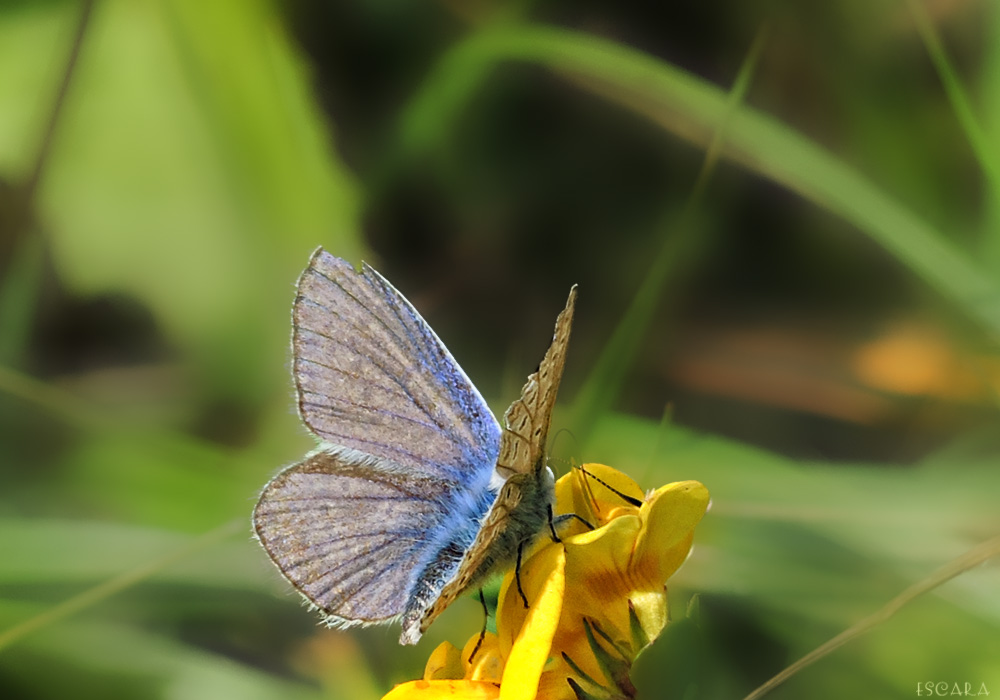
[(371, 375), (522, 506)]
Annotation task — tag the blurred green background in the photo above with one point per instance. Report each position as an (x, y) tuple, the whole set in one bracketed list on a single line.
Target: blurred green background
[(812, 331)]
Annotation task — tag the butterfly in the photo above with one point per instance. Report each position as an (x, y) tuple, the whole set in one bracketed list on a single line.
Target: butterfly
[(416, 493)]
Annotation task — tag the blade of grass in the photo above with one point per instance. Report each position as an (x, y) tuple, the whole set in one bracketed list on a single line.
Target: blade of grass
[(115, 585), (988, 94), (424, 124), (42, 554), (197, 482), (974, 557), (603, 385), (59, 101), (253, 90), (60, 403), (132, 660), (688, 106), (20, 285), (19, 291), (80, 413), (956, 95)]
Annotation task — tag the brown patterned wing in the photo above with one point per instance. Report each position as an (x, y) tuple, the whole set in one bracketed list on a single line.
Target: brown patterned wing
[(522, 443), (521, 509)]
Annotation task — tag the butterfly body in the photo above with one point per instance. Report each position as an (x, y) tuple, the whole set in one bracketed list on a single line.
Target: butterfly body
[(517, 516), (416, 493)]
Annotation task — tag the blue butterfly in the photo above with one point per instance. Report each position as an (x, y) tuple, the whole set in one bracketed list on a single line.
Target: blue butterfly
[(416, 493)]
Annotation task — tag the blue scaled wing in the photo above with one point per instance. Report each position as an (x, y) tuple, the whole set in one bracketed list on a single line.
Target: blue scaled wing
[(402, 480), (348, 535), (371, 375)]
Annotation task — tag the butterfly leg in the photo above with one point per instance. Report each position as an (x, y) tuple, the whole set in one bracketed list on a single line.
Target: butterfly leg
[(486, 618), (552, 526), (560, 519), (517, 575), (553, 520)]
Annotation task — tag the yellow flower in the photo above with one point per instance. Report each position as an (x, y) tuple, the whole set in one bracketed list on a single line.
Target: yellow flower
[(596, 599)]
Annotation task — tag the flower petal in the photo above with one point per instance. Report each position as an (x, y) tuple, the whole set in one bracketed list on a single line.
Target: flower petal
[(445, 662), (487, 664), (587, 492), (669, 517), (559, 648), (597, 573), (444, 690), (531, 650)]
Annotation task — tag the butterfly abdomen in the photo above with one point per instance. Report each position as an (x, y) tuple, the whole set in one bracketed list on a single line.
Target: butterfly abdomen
[(445, 546), (519, 513)]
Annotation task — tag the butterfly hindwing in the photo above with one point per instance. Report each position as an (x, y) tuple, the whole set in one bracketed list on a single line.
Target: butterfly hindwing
[(348, 534)]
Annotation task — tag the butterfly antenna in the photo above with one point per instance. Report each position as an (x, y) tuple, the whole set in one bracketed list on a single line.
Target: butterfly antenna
[(625, 497), (595, 507), (570, 435), (482, 632), (562, 464)]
